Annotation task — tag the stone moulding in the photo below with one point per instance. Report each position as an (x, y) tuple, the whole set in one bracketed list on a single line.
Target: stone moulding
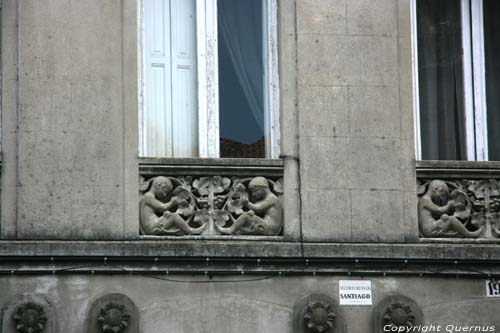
[(458, 199), (211, 199)]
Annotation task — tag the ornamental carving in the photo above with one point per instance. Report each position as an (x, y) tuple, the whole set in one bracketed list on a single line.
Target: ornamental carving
[(459, 208), (396, 313), (212, 205), (113, 318), (399, 315), (315, 313), (30, 318), (319, 317)]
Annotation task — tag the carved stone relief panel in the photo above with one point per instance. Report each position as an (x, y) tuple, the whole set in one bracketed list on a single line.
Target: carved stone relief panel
[(28, 314), (464, 208), (113, 313), (396, 313), (212, 205), (315, 313)]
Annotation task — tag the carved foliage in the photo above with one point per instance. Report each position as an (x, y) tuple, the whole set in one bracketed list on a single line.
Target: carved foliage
[(459, 208), (30, 318), (210, 205)]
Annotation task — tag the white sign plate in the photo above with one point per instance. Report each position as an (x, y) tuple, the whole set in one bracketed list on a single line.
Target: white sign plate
[(492, 288), (355, 292)]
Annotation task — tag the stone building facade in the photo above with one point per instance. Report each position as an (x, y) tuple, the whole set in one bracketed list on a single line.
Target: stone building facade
[(80, 252)]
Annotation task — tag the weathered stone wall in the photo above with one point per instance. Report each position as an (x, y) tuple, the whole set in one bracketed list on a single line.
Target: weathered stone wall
[(69, 119), (356, 124), (260, 306)]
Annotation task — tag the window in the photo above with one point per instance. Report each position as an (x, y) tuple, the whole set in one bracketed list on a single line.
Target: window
[(457, 77), (209, 83)]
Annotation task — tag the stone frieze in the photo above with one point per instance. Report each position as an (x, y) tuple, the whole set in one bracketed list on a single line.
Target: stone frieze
[(213, 205)]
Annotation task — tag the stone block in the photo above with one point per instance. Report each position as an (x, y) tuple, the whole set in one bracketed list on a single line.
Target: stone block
[(326, 215), (347, 60), (44, 51), (325, 163), (367, 17), (323, 111), (44, 13), (322, 17), (55, 211), (374, 111), (375, 163), (45, 105), (9, 54), (68, 157), (410, 217), (404, 18), (96, 44), (377, 216)]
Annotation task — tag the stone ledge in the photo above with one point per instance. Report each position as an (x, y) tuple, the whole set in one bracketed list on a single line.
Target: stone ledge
[(211, 166), (131, 250), (458, 169)]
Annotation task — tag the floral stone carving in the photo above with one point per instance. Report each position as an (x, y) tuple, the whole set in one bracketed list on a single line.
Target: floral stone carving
[(459, 208), (396, 313), (113, 318), (399, 315), (30, 318), (315, 313), (319, 317), (210, 205)]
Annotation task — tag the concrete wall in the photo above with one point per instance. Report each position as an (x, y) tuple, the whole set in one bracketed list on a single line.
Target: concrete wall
[(356, 124), (69, 119), (260, 306)]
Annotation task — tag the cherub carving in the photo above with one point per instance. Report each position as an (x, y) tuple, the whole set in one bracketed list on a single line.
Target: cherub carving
[(439, 212), (157, 215), (264, 216)]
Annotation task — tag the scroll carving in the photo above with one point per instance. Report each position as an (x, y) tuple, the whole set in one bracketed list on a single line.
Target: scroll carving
[(212, 205), (459, 208)]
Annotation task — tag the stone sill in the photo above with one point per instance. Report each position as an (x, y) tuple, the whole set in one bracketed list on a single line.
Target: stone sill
[(458, 169), (216, 237), (211, 166), (231, 249)]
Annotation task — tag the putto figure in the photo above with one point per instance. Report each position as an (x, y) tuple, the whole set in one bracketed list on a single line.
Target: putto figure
[(161, 214), (440, 214), (264, 212)]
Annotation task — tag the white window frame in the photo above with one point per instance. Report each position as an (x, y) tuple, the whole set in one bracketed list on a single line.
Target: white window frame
[(208, 78), (474, 80)]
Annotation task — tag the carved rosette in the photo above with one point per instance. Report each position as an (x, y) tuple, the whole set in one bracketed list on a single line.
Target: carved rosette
[(396, 313), (319, 317), (213, 205), (399, 315), (315, 313), (462, 208), (30, 318), (113, 318)]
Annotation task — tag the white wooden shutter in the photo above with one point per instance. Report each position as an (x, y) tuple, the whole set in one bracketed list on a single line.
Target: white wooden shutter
[(170, 126)]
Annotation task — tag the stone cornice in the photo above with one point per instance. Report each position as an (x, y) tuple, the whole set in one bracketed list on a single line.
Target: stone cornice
[(180, 248)]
